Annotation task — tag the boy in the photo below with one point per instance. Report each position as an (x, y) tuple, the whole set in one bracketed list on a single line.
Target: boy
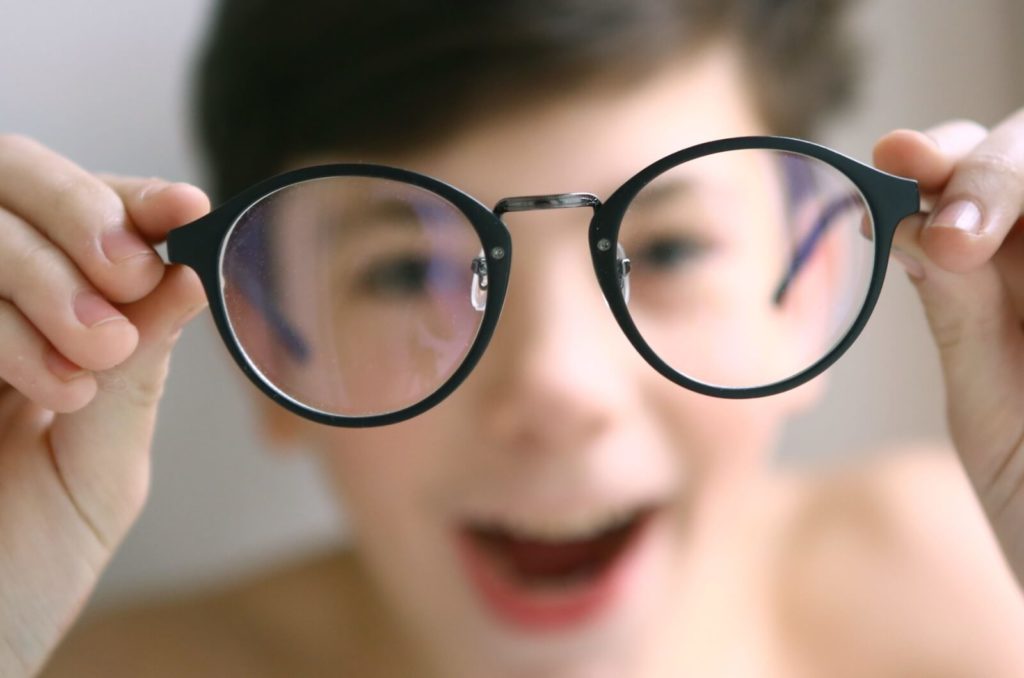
[(562, 434)]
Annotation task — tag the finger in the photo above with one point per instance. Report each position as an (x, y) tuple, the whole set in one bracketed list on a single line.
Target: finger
[(81, 215), (32, 366), (156, 206), (102, 449), (1008, 262), (45, 286), (978, 334), (981, 202), (928, 157)]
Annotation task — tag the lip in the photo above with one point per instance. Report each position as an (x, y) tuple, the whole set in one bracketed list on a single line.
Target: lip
[(556, 607)]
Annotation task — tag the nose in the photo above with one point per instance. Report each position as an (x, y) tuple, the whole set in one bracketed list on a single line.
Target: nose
[(557, 371)]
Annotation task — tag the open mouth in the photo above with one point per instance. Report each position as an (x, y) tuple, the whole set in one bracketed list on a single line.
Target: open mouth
[(545, 576)]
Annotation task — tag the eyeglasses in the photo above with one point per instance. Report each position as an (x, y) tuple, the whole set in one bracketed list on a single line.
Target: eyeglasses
[(363, 295)]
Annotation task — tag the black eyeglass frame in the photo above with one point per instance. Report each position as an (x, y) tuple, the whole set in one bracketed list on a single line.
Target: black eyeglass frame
[(200, 245)]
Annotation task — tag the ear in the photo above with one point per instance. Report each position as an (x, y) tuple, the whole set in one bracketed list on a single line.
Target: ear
[(252, 323), (278, 426)]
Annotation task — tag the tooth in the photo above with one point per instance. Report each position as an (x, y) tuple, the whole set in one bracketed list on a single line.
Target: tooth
[(577, 527)]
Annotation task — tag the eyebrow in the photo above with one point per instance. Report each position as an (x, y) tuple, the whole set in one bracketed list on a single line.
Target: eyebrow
[(387, 210), (372, 216), (663, 191)]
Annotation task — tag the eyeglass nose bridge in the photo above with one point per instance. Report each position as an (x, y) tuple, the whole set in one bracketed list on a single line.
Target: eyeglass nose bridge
[(525, 203)]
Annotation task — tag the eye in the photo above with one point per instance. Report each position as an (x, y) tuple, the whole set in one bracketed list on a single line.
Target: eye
[(411, 276), (396, 277), (668, 252)]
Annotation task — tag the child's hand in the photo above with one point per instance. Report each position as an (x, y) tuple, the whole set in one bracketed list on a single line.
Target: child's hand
[(88, 315), (967, 261)]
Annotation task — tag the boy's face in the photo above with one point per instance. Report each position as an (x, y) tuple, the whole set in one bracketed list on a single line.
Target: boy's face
[(552, 514)]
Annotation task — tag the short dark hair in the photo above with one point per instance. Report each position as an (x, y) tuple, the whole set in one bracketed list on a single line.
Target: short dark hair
[(276, 79)]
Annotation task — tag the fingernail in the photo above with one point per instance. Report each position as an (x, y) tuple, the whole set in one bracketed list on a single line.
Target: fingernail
[(120, 245), (962, 215), (92, 310), (64, 369), (154, 188), (911, 265)]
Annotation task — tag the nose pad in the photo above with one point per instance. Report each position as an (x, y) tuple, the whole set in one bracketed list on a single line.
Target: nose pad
[(478, 288), (622, 269)]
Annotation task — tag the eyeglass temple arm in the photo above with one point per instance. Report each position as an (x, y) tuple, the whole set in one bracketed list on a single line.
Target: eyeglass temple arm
[(289, 337), (806, 248), (192, 245)]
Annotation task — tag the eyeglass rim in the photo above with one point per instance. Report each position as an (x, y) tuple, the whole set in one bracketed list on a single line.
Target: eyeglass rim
[(889, 199), (200, 245)]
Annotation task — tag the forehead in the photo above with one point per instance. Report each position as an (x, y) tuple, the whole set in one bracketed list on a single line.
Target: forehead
[(594, 138)]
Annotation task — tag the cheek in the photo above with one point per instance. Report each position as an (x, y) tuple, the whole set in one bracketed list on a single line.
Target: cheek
[(726, 446), (381, 476), (390, 483), (722, 440)]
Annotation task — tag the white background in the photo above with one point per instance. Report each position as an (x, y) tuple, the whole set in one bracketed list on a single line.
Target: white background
[(106, 83)]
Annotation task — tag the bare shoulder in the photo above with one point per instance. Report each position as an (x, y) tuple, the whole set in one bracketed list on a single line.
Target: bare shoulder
[(264, 625), (890, 566)]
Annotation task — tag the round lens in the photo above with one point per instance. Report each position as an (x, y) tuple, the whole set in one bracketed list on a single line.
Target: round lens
[(354, 296), (747, 267)]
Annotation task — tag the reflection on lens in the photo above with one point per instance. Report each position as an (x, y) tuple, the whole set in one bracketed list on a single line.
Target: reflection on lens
[(353, 295), (749, 266)]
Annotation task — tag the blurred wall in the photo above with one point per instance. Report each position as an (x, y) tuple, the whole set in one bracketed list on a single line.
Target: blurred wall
[(105, 83)]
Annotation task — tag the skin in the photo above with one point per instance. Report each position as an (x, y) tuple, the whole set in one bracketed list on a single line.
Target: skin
[(537, 430), (964, 263), (533, 431)]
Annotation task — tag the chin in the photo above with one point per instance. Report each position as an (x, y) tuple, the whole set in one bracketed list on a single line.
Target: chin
[(580, 600)]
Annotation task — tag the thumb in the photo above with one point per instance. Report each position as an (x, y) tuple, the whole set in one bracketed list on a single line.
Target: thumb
[(103, 448)]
